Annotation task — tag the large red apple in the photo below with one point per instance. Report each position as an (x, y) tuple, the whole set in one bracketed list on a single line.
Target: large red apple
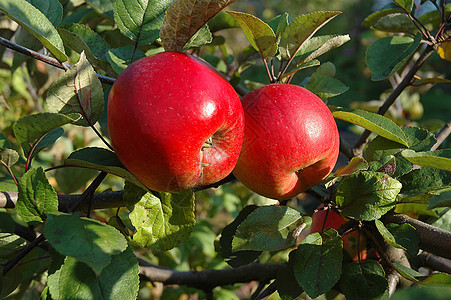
[(175, 122), (291, 141)]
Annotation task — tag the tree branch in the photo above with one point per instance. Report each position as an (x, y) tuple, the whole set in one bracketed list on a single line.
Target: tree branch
[(442, 135), (432, 239), (210, 278), (407, 80), (47, 59)]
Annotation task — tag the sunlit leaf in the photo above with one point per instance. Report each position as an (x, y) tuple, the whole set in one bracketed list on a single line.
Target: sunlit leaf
[(8, 157), (78, 91), (258, 33), (36, 196), (36, 23), (440, 159), (163, 222), (374, 122), (301, 29), (185, 17)]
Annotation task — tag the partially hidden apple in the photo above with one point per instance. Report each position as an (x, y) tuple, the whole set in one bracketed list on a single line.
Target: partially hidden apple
[(291, 141), (175, 122), (334, 220)]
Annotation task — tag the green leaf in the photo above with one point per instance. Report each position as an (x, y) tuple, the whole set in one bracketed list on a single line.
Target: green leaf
[(301, 29), (407, 4), (8, 157), (102, 160), (440, 159), (398, 22), (406, 236), (49, 139), (355, 165), (388, 152), (420, 185), (259, 34), (7, 223), (376, 16), (52, 9), (325, 86), (78, 91), (202, 37), (104, 7), (367, 195), (81, 38), (140, 20), (402, 236), (421, 293), (4, 143), (70, 180), (278, 25), (437, 279), (184, 18), (31, 128), (163, 222), (317, 262), (119, 280), (317, 46), (287, 286), (374, 122), (387, 55), (120, 58), (364, 280), (36, 196), (442, 200), (36, 23), (88, 240), (268, 228), (242, 257)]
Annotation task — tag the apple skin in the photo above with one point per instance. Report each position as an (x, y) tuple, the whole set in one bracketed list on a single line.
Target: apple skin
[(334, 220), (291, 141), (162, 109)]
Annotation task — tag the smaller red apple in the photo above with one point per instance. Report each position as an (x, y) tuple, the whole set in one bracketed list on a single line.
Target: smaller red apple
[(334, 221), (291, 141)]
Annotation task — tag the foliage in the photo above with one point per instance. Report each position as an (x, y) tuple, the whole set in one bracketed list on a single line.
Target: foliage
[(54, 134)]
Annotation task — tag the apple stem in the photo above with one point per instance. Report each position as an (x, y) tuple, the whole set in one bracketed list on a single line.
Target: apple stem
[(208, 143)]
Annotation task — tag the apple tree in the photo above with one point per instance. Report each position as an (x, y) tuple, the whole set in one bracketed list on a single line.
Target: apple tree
[(76, 223)]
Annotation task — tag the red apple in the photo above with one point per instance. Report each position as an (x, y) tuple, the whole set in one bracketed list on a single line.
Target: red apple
[(291, 141), (335, 220), (175, 122)]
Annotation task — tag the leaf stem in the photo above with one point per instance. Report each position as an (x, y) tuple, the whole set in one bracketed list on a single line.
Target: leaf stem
[(11, 173)]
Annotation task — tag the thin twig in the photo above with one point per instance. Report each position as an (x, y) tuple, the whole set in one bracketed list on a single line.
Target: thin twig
[(47, 59), (11, 263), (442, 135)]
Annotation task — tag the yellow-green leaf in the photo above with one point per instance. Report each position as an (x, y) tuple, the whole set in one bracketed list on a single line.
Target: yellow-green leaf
[(258, 33)]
